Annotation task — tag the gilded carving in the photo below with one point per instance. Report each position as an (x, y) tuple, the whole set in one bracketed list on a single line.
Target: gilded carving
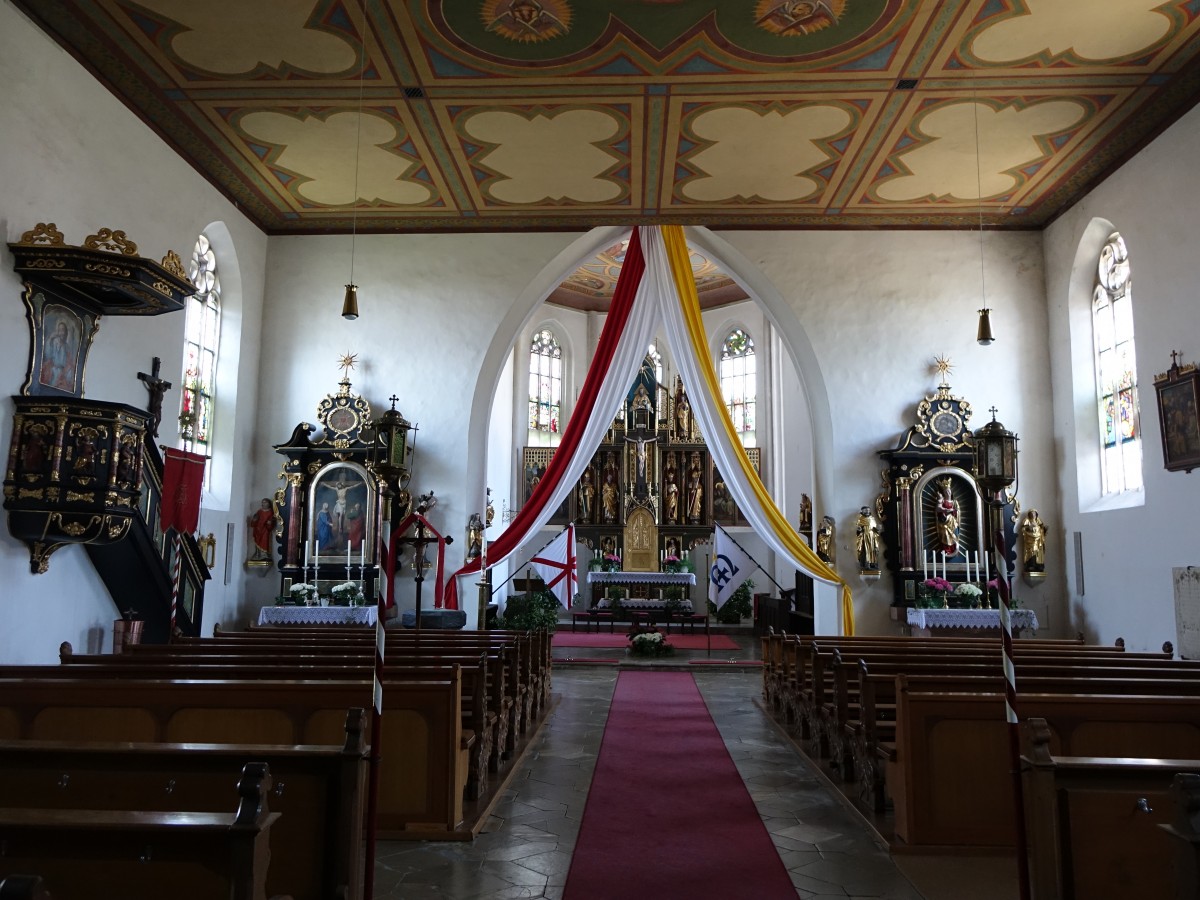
[(46, 264), (43, 233), (31, 494), (73, 497), (105, 269), (173, 264), (114, 241)]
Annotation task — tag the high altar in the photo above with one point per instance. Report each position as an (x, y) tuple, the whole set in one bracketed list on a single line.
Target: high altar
[(651, 490)]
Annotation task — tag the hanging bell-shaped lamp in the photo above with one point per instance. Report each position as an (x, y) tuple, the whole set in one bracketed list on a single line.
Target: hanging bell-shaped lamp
[(984, 335), (350, 304)]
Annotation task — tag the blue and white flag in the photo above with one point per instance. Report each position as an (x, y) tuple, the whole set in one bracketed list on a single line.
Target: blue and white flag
[(731, 566)]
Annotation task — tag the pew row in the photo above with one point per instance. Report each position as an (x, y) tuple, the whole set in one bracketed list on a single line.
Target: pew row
[(320, 793), (1094, 824), (88, 854), (951, 781), (423, 769)]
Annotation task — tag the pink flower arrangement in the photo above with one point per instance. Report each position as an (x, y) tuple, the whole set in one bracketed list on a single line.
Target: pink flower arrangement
[(939, 584)]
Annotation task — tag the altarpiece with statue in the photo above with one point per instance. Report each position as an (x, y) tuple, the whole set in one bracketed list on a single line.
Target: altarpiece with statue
[(651, 491)]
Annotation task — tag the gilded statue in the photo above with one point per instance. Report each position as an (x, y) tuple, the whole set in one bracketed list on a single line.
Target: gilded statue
[(866, 539), (683, 413), (608, 491), (825, 540), (671, 492), (1033, 536), (947, 516), (695, 491), (587, 496)]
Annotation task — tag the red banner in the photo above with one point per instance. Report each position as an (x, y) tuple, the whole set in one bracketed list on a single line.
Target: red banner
[(183, 482)]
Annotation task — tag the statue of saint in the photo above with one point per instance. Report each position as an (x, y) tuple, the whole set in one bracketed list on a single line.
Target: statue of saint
[(587, 496), (825, 540), (671, 492), (1033, 535), (262, 523), (641, 398), (474, 536), (683, 413), (695, 491), (947, 517), (866, 539), (608, 494)]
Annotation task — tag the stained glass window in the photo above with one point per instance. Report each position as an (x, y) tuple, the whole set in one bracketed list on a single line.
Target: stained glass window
[(1116, 371), (738, 384), (201, 337), (545, 389)]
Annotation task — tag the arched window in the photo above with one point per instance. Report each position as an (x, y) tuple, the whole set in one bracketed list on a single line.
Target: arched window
[(545, 389), (201, 337), (738, 383), (1116, 371)]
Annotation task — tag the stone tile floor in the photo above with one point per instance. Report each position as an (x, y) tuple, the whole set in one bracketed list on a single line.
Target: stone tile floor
[(524, 849)]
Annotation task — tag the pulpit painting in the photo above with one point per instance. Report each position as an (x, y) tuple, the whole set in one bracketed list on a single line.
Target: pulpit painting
[(62, 335), (536, 459), (340, 514)]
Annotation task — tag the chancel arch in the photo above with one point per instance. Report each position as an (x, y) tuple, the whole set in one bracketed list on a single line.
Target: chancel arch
[(529, 305)]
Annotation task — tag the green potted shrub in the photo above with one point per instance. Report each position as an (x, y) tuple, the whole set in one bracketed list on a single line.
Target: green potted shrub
[(737, 607)]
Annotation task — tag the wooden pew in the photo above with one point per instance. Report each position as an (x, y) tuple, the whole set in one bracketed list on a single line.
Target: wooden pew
[(951, 781), (140, 855), (320, 794), (422, 773), (482, 696), (1094, 824), (526, 657)]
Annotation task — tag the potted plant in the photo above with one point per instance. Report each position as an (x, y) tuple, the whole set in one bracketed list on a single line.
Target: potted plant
[(649, 643), (610, 562), (348, 593), (737, 607), (304, 594)]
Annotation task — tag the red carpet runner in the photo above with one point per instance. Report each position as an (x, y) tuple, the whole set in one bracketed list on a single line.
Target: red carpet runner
[(668, 815)]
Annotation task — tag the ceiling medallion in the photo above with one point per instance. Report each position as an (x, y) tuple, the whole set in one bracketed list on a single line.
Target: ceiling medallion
[(527, 20), (798, 17)]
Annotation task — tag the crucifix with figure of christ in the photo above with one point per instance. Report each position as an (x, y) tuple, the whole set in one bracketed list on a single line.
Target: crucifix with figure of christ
[(157, 387)]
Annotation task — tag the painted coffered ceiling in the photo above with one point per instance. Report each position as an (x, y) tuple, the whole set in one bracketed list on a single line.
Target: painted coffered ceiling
[(383, 115)]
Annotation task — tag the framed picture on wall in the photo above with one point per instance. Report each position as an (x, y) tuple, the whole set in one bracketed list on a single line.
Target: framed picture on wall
[(1178, 406)]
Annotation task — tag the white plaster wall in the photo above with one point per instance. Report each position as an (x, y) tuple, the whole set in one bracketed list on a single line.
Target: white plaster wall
[(1128, 552), (75, 156)]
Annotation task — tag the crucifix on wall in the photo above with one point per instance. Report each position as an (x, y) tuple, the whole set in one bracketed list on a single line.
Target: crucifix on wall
[(156, 387)]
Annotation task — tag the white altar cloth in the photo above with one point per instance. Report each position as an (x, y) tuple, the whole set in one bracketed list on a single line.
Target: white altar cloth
[(318, 615), (684, 606), (657, 578), (929, 619)]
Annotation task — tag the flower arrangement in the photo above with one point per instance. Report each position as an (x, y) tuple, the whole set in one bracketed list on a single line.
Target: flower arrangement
[(969, 594), (672, 564), (649, 643), (304, 594), (939, 585), (610, 562), (348, 593)]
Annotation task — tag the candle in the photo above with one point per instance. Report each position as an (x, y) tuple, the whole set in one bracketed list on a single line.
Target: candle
[(925, 565), (306, 554)]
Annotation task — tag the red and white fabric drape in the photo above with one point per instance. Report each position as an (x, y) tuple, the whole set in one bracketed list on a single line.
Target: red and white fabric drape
[(656, 285)]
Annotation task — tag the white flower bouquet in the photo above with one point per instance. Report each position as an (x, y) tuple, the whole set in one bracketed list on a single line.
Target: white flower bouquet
[(305, 594), (348, 593)]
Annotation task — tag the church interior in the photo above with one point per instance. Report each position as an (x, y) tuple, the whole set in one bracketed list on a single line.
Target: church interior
[(903, 222)]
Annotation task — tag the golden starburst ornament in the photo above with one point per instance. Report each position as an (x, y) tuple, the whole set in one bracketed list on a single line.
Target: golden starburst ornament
[(346, 363), (943, 366)]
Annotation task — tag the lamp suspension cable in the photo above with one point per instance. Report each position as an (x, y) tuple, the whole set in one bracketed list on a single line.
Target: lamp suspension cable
[(984, 334), (350, 302)]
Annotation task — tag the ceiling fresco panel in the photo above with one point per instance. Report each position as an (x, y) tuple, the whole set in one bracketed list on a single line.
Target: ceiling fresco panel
[(559, 114)]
